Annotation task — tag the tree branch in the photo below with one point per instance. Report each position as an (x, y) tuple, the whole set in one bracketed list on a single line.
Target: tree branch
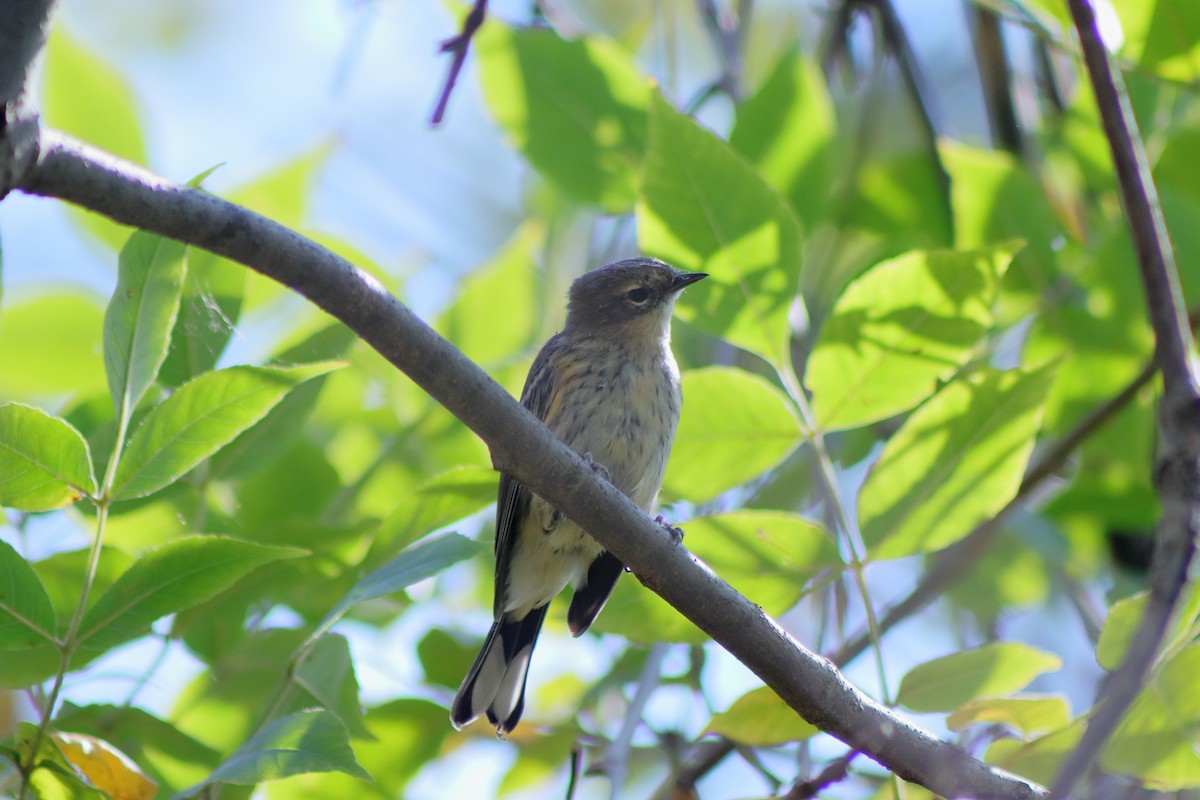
[(1177, 478), (523, 447)]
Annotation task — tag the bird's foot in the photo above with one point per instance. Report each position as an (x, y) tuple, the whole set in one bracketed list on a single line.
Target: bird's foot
[(596, 467), (674, 532)]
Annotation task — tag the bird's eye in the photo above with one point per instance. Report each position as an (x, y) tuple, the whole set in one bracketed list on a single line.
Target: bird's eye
[(639, 295)]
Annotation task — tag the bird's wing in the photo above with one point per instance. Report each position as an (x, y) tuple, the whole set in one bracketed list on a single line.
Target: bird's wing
[(512, 503)]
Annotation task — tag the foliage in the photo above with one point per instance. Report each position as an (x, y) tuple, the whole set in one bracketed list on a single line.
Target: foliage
[(892, 334)]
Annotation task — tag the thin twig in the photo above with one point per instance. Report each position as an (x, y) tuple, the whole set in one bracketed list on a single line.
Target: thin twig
[(727, 39), (995, 78), (835, 771), (1177, 478), (458, 45), (616, 760)]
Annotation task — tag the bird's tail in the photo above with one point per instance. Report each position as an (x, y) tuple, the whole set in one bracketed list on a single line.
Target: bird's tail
[(496, 682)]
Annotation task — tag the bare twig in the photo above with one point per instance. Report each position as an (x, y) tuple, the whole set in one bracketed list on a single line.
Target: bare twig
[(616, 760), (835, 771), (995, 78), (458, 45), (727, 38), (1177, 477)]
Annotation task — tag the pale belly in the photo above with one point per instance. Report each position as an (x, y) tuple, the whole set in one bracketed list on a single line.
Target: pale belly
[(623, 432)]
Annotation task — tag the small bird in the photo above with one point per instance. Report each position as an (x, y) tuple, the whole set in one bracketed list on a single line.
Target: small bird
[(607, 385)]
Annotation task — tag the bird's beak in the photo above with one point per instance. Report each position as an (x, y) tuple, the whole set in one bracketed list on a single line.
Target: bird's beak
[(684, 279)]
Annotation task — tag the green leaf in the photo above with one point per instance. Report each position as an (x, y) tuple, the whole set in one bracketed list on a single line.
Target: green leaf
[(178, 575), (575, 109), (62, 575), (137, 325), (44, 462), (1030, 715), (26, 615), (769, 556), (996, 200), (734, 427), (201, 417), (269, 439), (786, 130), (55, 330), (953, 464), (415, 564), (760, 719), (704, 209), (87, 97), (495, 315), (1156, 740), (326, 671), (411, 733), (208, 313), (999, 668), (1038, 760), (443, 499), (898, 330), (1163, 36), (1125, 618), (307, 741)]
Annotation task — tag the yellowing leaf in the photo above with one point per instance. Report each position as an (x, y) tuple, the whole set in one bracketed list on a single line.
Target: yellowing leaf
[(106, 767)]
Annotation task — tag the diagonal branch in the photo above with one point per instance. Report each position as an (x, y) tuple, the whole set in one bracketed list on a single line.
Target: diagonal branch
[(1177, 478), (523, 447)]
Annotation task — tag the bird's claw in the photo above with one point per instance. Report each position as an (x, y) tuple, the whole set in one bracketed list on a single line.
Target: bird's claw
[(675, 533), (597, 467)]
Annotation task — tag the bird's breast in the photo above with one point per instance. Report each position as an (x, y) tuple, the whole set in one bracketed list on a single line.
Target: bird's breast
[(625, 415)]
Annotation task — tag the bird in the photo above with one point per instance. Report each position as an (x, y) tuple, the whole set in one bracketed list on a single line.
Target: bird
[(606, 385)]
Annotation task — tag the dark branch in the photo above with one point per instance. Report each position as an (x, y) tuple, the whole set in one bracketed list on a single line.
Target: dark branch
[(834, 772), (458, 45), (1177, 478)]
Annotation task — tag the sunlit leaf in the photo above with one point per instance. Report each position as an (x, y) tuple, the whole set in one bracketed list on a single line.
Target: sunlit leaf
[(954, 463), (704, 209), (760, 719), (768, 556), (138, 322), (786, 130), (1028, 714), (734, 427), (898, 330), (44, 462), (170, 578), (48, 346), (1156, 740), (575, 109), (26, 614), (198, 419), (999, 668), (495, 314), (307, 741)]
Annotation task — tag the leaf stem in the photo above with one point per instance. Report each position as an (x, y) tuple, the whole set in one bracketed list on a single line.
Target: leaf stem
[(70, 642)]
